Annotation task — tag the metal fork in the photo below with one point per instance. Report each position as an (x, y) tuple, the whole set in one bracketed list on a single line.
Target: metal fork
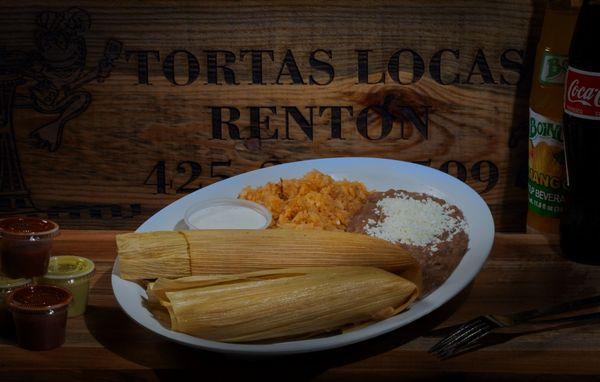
[(472, 331)]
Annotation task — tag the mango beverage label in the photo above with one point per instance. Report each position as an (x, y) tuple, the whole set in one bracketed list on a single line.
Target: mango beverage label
[(547, 181), (553, 70)]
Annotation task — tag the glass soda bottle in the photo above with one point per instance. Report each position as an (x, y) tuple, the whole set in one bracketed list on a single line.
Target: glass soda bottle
[(546, 177), (581, 220)]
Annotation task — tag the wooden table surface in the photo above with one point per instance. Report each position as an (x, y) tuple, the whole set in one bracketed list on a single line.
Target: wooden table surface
[(524, 271)]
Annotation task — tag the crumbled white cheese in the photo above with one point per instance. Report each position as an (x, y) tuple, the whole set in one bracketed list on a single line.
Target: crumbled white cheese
[(414, 222)]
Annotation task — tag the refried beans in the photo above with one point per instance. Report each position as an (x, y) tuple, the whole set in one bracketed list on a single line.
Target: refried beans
[(438, 259)]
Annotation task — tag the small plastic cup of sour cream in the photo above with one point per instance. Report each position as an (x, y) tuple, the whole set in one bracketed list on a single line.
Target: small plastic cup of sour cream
[(227, 213)]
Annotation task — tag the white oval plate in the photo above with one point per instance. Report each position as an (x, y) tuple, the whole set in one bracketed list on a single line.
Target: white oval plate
[(376, 174)]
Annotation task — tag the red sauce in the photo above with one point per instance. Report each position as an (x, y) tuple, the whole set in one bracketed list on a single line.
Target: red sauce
[(40, 315), (25, 245), (35, 297), (27, 225)]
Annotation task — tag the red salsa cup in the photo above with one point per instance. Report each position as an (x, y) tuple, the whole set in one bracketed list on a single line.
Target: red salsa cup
[(25, 244), (40, 315)]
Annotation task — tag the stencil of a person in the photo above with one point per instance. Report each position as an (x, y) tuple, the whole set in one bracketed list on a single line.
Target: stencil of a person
[(57, 69)]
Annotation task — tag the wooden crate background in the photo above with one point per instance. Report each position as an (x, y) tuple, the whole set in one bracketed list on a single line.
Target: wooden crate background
[(133, 140)]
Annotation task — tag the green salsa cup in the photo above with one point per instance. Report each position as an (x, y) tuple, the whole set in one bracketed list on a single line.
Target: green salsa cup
[(72, 273), (7, 285)]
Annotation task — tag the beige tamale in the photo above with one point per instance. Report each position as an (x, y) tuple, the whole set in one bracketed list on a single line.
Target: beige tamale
[(281, 303), (162, 253), (201, 252)]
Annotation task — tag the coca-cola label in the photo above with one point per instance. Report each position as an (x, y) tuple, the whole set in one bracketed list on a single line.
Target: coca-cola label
[(582, 94)]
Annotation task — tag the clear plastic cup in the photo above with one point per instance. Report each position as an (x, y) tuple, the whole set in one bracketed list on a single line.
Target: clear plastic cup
[(40, 315), (227, 213), (72, 273), (25, 244), (7, 285)]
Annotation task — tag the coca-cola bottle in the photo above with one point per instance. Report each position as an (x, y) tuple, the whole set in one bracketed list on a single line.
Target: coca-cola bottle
[(580, 223)]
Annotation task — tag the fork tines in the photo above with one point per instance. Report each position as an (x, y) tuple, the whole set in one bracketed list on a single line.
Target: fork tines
[(464, 336)]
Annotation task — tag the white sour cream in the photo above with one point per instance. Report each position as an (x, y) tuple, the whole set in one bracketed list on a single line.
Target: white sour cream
[(227, 217)]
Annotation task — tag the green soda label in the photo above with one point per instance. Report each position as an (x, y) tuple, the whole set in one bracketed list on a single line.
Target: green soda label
[(546, 183), (553, 70)]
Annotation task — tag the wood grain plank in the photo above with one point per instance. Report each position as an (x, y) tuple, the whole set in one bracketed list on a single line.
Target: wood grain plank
[(96, 179)]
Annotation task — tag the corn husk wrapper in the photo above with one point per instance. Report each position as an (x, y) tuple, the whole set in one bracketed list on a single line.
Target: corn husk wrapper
[(206, 252), (282, 303), (162, 253)]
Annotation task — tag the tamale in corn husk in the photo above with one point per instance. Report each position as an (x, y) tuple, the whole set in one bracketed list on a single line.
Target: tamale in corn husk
[(202, 252), (162, 253), (279, 304)]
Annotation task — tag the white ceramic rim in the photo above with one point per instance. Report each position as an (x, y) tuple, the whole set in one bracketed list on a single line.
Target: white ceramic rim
[(481, 234)]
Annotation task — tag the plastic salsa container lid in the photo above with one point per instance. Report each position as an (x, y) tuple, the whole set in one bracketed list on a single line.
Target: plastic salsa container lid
[(227, 213), (67, 267), (8, 283), (25, 228), (38, 299)]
